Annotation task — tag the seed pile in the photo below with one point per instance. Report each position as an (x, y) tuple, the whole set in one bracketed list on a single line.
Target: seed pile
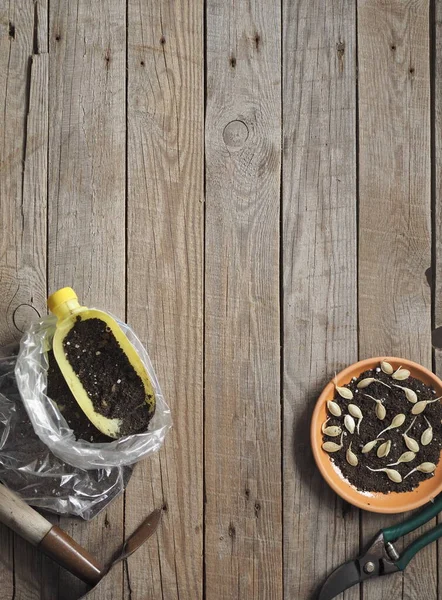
[(384, 430)]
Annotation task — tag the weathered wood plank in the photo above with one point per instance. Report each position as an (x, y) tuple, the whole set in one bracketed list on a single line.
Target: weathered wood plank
[(319, 272), (87, 198), (22, 183), (23, 197), (32, 571), (242, 312), (394, 224), (165, 282), (435, 279)]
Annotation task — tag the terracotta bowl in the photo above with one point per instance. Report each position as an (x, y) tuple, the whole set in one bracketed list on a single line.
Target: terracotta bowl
[(376, 502)]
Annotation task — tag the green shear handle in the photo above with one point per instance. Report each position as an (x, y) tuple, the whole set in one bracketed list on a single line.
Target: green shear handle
[(393, 533)]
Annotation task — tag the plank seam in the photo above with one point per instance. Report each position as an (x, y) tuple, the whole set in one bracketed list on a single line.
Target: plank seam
[(432, 60), (204, 577), (125, 574), (281, 286), (357, 145)]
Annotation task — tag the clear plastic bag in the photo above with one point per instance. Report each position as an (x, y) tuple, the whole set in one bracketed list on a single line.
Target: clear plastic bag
[(52, 428), (29, 468)]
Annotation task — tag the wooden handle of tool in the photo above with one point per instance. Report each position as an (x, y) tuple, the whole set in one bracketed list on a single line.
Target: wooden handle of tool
[(30, 525), (21, 518)]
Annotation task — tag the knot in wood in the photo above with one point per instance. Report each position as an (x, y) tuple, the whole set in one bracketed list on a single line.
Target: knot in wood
[(235, 134)]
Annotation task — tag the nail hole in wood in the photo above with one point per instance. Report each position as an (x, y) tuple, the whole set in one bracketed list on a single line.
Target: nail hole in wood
[(393, 47), (340, 49), (11, 30), (233, 62), (165, 507), (411, 70), (247, 493), (257, 40), (162, 40), (232, 530), (257, 508), (58, 37), (106, 522), (142, 63)]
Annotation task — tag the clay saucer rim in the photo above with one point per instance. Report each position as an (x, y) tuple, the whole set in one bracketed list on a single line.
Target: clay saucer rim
[(394, 502)]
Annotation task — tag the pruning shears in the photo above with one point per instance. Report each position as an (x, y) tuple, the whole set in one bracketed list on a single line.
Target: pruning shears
[(381, 557)]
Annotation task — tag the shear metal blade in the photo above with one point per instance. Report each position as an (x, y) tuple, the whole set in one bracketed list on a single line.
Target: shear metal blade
[(341, 579)]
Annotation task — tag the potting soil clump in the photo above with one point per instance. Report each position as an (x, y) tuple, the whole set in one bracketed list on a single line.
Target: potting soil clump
[(383, 430), (58, 390), (110, 381)]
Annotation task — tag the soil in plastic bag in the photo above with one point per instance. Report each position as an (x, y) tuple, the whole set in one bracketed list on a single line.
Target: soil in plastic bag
[(29, 468), (59, 391), (31, 371), (110, 381)]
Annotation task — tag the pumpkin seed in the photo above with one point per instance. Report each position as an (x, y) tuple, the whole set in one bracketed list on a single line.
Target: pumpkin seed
[(410, 442), (427, 435), (334, 408), (384, 449), (381, 411), (386, 367), (351, 457), (355, 412), (332, 431), (420, 406), (410, 395), (397, 421), (405, 457), (370, 445), (332, 446), (344, 392), (400, 374), (426, 467), (380, 408), (349, 423), (392, 475), (365, 382)]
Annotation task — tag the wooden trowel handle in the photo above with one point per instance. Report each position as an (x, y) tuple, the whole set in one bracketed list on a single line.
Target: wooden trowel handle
[(52, 540)]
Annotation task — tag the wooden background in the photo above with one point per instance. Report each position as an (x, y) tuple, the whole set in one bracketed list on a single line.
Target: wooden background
[(256, 187)]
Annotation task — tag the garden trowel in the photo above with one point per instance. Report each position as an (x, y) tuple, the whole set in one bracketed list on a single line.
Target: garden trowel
[(59, 546)]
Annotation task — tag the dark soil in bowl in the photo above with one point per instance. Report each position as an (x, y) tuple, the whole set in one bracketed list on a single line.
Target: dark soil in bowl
[(110, 381), (58, 390), (395, 402)]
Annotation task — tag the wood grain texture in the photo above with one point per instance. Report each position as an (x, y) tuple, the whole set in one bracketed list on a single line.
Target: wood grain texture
[(242, 340), (165, 283), (22, 518), (319, 273), (394, 224), (435, 275), (23, 196), (87, 200), (22, 170)]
